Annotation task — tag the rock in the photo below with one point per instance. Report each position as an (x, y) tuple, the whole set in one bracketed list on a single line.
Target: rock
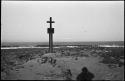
[(3, 75), (121, 60), (53, 55), (109, 76)]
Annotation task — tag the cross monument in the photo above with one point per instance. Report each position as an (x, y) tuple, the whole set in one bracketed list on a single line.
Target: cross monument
[(50, 31)]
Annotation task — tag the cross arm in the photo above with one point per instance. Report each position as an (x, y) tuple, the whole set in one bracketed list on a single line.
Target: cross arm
[(50, 21)]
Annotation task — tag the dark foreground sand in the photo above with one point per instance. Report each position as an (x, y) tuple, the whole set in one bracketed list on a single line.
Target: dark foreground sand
[(34, 70)]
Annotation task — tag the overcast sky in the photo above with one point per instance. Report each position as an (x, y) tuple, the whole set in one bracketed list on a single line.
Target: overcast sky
[(25, 21)]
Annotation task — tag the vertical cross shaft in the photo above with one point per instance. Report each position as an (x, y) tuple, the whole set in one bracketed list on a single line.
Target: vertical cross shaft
[(50, 31), (50, 22), (50, 43)]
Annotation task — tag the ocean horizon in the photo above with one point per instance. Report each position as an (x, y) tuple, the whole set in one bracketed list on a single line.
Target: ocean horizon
[(21, 45)]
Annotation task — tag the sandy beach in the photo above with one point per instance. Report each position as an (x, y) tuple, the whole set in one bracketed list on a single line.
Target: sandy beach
[(33, 69)]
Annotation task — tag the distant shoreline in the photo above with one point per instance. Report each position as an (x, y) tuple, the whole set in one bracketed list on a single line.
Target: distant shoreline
[(65, 43), (67, 46), (21, 45)]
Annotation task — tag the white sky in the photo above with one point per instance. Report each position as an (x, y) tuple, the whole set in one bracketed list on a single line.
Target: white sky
[(74, 20)]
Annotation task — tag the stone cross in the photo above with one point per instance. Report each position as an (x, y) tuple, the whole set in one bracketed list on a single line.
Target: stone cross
[(50, 31)]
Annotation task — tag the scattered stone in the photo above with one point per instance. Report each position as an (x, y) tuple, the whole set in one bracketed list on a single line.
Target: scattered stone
[(3, 75)]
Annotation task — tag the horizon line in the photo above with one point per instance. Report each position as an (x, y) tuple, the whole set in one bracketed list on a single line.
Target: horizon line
[(65, 41)]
